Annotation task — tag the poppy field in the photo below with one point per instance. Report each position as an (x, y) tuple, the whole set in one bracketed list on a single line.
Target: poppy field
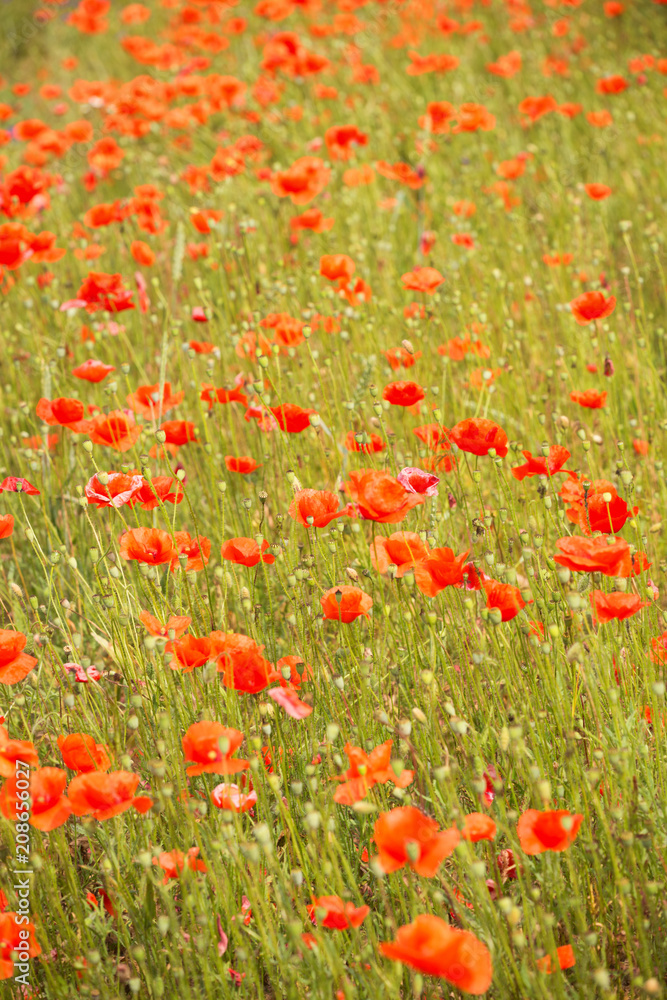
[(332, 471)]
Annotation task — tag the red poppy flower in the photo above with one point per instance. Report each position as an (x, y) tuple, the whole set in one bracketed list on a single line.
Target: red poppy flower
[(81, 753), (289, 700), (594, 505), (233, 798), (338, 915), (241, 664), (478, 826), (119, 489), (379, 496), (337, 267), (417, 481), (6, 525), (12, 940), (173, 863), (179, 432), (317, 508), (422, 279), (591, 399), (406, 836), (115, 430), (617, 605), (590, 306), (551, 830), (150, 402), (196, 551), (291, 418), (103, 796), (177, 624), (64, 412), (598, 192), (564, 956), (402, 549), (440, 569), (159, 490), (373, 443), (342, 140), (92, 370), (477, 436), (49, 808), (242, 464), (432, 946), (211, 745), (504, 598), (15, 665), (549, 466), (190, 652), (345, 603), (301, 182), (147, 545), (403, 393), (367, 770), (594, 555), (246, 552)]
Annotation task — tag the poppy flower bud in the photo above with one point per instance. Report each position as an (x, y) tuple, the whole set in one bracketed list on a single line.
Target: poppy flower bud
[(608, 367)]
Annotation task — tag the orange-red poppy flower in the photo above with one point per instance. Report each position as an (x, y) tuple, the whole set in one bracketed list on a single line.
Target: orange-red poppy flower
[(477, 436), (81, 753), (64, 412), (14, 663), (291, 418), (211, 745), (49, 807), (243, 464), (189, 652), (590, 306), (617, 605), (176, 624), (432, 946), (594, 555), (301, 182), (372, 443), (173, 863), (405, 836), (12, 940), (13, 750), (246, 552), (147, 545), (367, 770), (337, 915), (540, 466), (6, 525), (233, 797), (380, 497), (150, 402), (345, 604), (590, 398), (594, 505), (317, 508), (478, 826), (564, 956), (550, 830), (422, 279), (116, 430), (598, 192), (505, 598), (103, 796), (440, 569), (195, 550), (403, 393), (92, 371), (402, 549)]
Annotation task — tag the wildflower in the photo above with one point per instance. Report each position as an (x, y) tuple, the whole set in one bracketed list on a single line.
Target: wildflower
[(289, 700), (406, 836), (477, 436), (380, 497), (92, 371), (147, 545), (196, 551), (317, 508), (233, 798), (337, 914), (81, 753), (367, 770), (422, 279), (549, 466), (403, 393), (64, 412), (373, 443), (49, 808), (119, 489), (594, 555), (151, 400), (103, 796), (505, 598), (173, 863), (291, 418), (564, 956), (15, 665), (6, 525), (592, 306), (345, 603), (594, 505), (417, 481), (246, 552), (440, 569), (211, 745), (598, 192), (616, 605), (301, 182), (11, 940), (551, 830), (591, 399), (243, 464), (403, 549), (116, 430), (478, 826), (432, 946)]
